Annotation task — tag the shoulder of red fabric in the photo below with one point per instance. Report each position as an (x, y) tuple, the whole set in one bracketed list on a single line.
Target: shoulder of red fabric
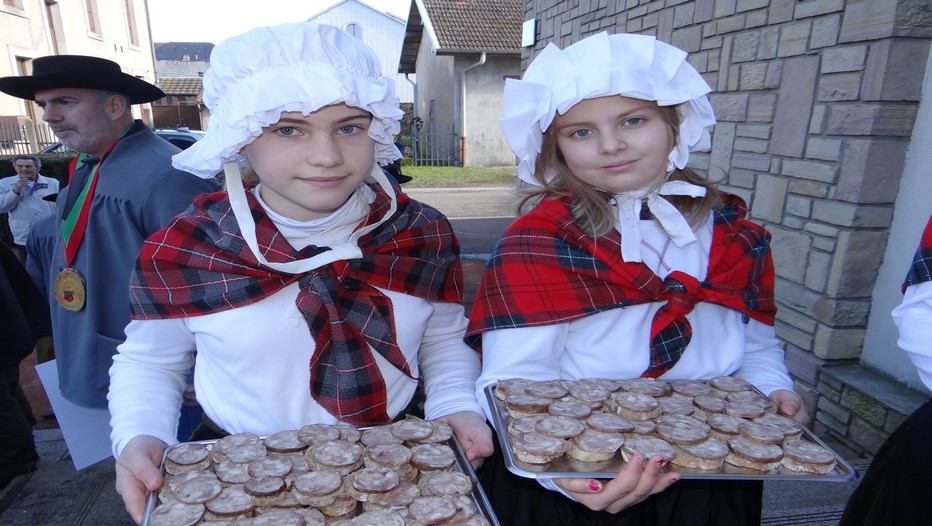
[(199, 263), (920, 271), (740, 257), (926, 241), (415, 252), (546, 270)]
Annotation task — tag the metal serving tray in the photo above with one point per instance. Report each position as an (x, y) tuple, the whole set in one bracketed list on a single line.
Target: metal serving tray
[(461, 465), (567, 467)]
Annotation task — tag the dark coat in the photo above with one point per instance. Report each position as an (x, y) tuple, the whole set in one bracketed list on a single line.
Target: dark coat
[(24, 311)]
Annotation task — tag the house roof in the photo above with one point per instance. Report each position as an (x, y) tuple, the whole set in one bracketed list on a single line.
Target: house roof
[(462, 26), (188, 86), (195, 51)]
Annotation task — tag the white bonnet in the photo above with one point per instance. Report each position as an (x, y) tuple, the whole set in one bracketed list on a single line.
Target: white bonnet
[(636, 66), (256, 76)]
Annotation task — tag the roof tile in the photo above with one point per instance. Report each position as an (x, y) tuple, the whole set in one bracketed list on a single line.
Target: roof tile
[(477, 25), (181, 86)]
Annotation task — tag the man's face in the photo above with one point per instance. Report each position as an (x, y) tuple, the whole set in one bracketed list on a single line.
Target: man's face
[(79, 118), (26, 169)]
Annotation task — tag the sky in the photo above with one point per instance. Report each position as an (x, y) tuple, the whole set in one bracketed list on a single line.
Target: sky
[(215, 20)]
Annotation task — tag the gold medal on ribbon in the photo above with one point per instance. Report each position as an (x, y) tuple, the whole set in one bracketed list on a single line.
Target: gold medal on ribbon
[(70, 289)]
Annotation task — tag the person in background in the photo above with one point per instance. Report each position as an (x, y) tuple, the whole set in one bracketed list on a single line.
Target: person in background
[(24, 318), (22, 199), (320, 295), (393, 169), (121, 188), (631, 265), (894, 489)]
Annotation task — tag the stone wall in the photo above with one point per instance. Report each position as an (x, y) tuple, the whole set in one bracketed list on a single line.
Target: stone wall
[(816, 100)]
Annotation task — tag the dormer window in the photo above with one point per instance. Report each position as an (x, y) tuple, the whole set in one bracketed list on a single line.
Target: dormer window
[(354, 29)]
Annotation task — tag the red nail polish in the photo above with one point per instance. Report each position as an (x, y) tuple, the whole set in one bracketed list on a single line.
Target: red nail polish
[(659, 461), (594, 485)]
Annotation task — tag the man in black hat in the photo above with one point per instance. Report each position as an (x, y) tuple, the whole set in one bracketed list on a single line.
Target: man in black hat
[(122, 188)]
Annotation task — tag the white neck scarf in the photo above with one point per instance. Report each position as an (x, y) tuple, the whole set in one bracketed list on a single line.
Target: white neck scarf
[(323, 231), (628, 215), (247, 225)]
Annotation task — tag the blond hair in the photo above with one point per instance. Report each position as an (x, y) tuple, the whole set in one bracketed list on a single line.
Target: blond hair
[(591, 206)]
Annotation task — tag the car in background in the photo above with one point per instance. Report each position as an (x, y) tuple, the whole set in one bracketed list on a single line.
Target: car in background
[(180, 137)]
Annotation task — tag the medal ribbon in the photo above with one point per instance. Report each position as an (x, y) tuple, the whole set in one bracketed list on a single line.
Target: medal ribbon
[(74, 225)]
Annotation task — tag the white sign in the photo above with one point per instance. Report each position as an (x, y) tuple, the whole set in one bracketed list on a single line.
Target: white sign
[(86, 430), (528, 33)]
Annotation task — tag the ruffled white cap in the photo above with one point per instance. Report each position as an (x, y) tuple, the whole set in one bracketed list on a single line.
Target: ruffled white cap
[(256, 76), (635, 66)]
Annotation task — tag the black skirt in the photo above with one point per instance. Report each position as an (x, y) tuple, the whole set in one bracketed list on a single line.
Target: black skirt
[(896, 489), (519, 501)]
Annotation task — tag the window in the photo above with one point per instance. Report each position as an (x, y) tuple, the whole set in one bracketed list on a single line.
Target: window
[(93, 21), (23, 69), (354, 29), (131, 22)]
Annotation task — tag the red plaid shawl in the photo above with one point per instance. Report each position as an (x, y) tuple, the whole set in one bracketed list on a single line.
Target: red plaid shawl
[(200, 264), (921, 269), (546, 270)]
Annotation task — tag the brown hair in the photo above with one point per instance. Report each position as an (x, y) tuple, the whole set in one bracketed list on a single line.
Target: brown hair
[(590, 206)]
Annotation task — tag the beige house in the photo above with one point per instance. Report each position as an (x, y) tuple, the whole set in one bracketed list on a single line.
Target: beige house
[(462, 52), (111, 29), (180, 68), (824, 126)]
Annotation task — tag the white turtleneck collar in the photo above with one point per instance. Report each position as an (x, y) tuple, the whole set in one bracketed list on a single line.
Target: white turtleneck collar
[(325, 231)]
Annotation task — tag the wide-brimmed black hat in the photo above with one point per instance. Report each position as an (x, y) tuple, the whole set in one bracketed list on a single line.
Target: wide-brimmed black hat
[(79, 71)]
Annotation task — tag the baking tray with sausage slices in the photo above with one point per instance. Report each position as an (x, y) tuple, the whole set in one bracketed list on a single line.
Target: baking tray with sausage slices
[(532, 417), (470, 503)]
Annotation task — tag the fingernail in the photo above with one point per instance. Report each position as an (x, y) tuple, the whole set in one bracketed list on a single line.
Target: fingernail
[(595, 485), (659, 461)]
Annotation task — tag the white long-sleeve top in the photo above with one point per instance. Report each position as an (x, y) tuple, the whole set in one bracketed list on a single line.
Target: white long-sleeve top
[(614, 343), (252, 363), (28, 206), (913, 318)]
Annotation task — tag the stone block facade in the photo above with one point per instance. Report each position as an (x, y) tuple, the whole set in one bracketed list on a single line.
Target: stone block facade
[(816, 101)]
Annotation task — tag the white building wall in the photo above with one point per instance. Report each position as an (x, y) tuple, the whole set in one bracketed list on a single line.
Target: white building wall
[(23, 37), (113, 42), (485, 143), (25, 34), (381, 32), (436, 103), (911, 212)]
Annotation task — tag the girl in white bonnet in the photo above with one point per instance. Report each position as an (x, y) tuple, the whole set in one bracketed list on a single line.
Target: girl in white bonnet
[(631, 265), (320, 295)]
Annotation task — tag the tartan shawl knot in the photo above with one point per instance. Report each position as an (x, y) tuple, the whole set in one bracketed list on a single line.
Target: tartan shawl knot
[(200, 264), (683, 292)]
